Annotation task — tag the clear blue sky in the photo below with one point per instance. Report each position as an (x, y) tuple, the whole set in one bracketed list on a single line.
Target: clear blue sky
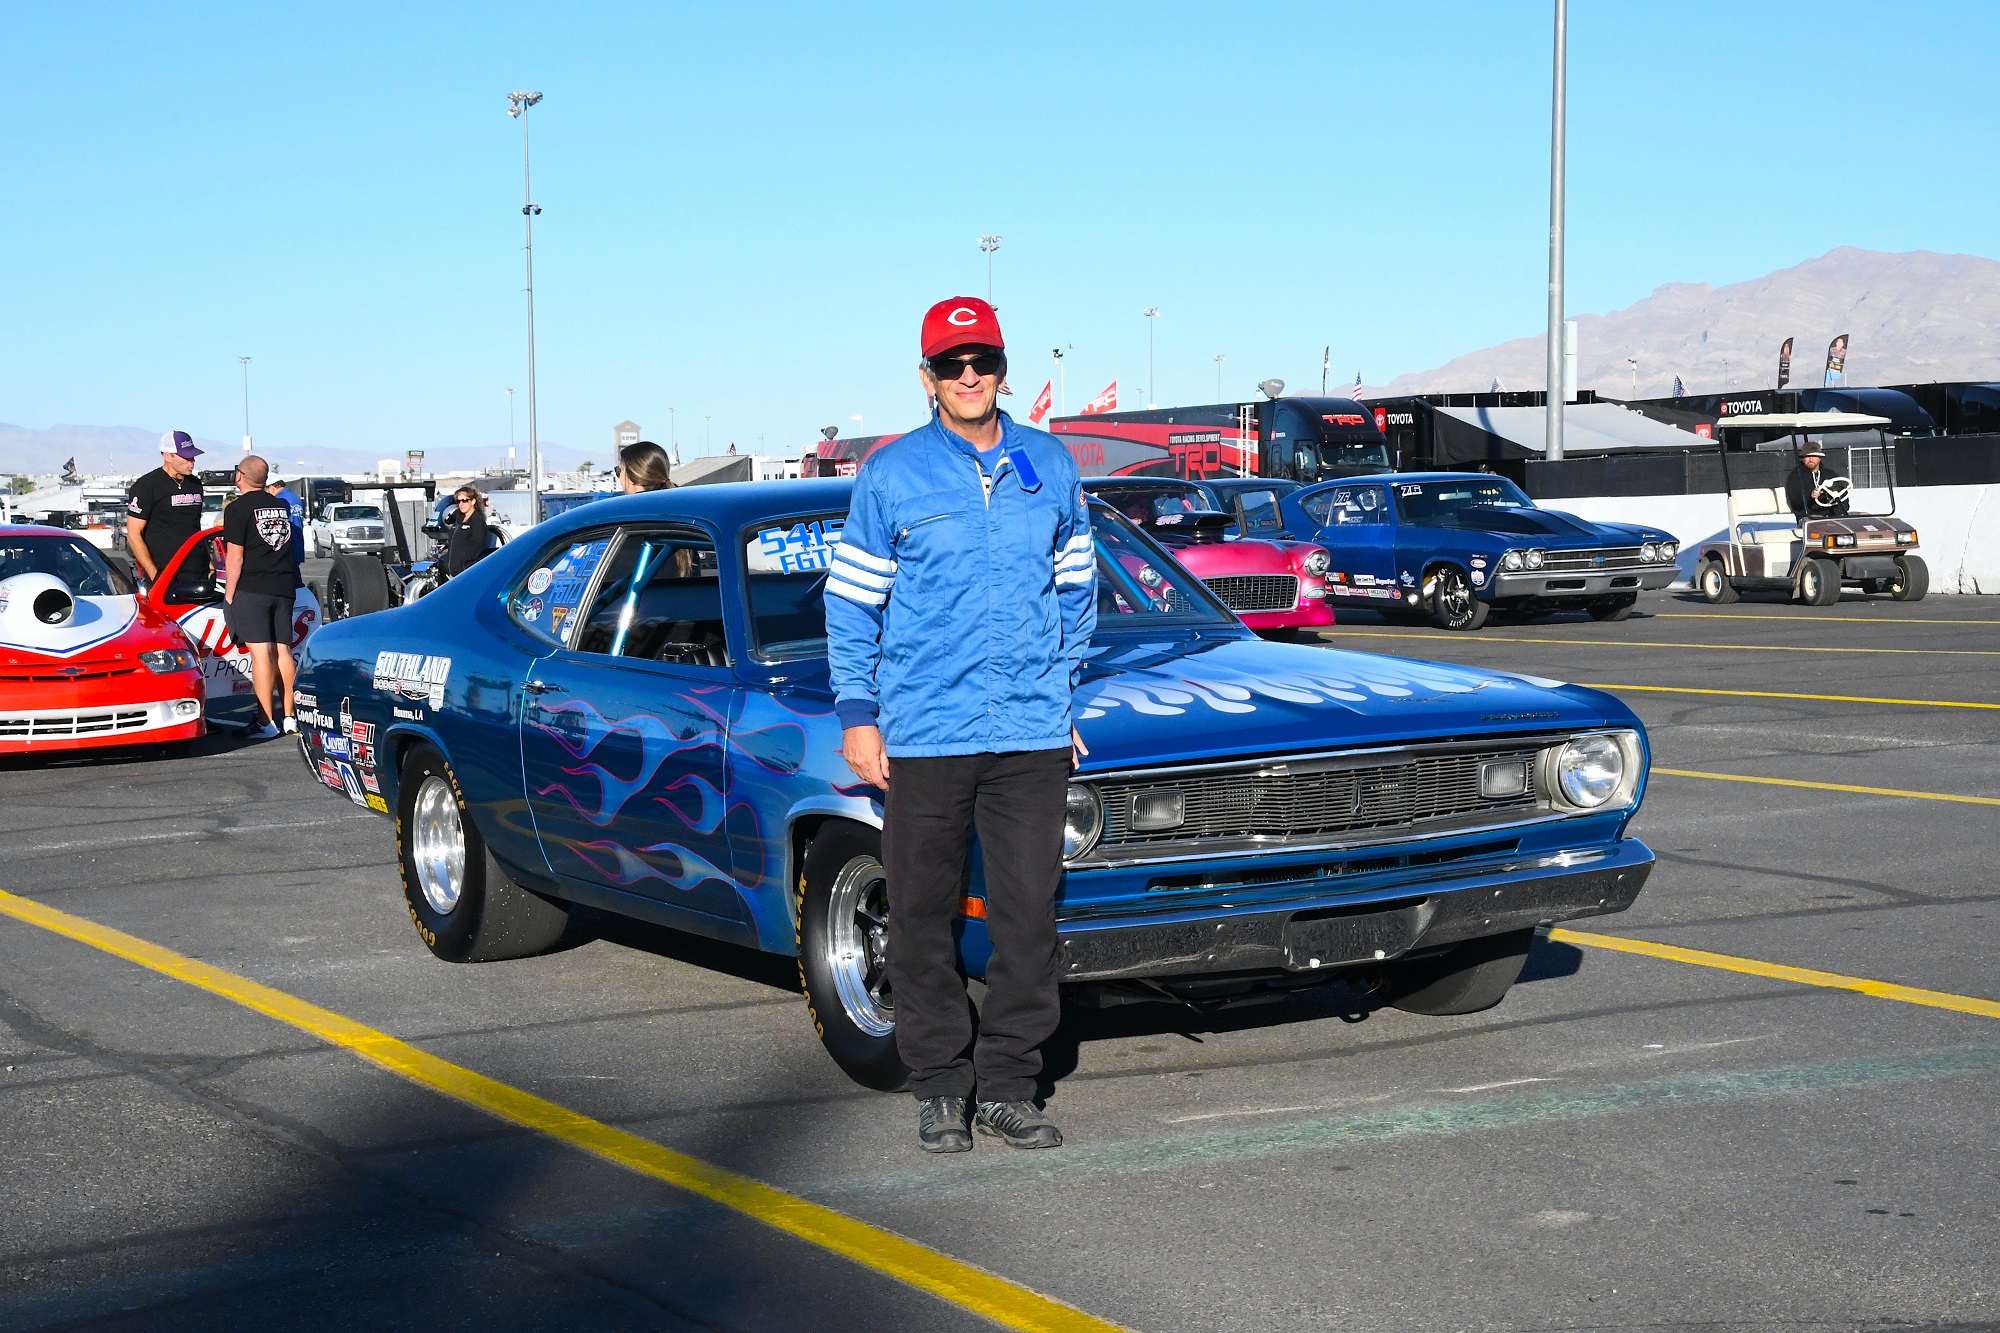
[(748, 207)]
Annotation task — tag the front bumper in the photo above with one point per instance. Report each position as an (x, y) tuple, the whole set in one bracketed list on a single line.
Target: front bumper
[(1578, 583), (1408, 917), (1308, 614), (24, 731)]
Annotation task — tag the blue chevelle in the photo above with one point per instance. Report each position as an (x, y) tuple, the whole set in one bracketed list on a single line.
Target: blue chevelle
[(628, 707), (1457, 545)]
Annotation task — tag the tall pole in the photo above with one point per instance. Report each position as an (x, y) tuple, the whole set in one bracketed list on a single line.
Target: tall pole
[(517, 106), (246, 402), (510, 430), (1062, 381), (1152, 313), (704, 435), (1556, 172), (989, 244), (1218, 377)]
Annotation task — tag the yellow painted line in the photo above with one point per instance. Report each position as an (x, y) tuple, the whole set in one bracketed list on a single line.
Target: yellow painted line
[(1005, 1303), (1776, 694), (1830, 786), (1810, 619), (1805, 976), (1651, 643)]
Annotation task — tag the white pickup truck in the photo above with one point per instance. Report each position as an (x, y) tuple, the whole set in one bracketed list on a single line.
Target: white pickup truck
[(347, 527)]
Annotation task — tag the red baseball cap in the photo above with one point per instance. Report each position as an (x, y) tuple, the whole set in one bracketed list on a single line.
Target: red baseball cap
[(963, 321)]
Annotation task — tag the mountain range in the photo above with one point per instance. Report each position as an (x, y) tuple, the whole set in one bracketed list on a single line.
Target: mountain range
[(1912, 318), (123, 450)]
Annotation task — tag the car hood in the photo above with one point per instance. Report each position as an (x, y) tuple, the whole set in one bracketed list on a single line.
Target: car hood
[(1171, 701), (1244, 556), (1553, 527)]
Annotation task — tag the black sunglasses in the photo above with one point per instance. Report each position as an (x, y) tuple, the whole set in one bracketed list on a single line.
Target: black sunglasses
[(952, 365)]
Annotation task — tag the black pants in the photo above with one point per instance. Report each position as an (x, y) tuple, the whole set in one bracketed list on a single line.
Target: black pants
[(1016, 802)]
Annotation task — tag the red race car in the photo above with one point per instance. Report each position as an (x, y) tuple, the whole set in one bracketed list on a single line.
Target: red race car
[(85, 661), (1275, 586)]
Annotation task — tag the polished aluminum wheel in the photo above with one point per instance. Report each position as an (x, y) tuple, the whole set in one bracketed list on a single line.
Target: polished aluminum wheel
[(437, 844), (857, 927)]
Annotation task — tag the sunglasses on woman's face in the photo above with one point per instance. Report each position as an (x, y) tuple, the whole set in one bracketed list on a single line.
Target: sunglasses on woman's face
[(951, 366), (465, 499)]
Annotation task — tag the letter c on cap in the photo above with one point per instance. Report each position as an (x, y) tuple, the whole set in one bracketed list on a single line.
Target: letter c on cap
[(971, 317)]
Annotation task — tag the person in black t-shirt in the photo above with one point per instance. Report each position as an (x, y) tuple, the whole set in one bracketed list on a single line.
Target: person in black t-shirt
[(467, 546), (163, 508), (257, 535)]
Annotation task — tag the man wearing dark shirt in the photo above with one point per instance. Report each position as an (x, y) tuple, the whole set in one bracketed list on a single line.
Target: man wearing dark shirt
[(257, 536), (163, 508), (1802, 489), (298, 509)]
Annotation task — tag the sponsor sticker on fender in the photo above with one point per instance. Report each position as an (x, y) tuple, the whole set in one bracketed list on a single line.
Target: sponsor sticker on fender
[(380, 806), (413, 675), (334, 744)]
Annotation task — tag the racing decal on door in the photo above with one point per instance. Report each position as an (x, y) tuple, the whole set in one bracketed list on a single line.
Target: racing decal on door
[(413, 675)]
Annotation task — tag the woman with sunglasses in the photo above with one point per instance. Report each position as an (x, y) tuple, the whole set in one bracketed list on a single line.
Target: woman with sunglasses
[(643, 467), (467, 522)]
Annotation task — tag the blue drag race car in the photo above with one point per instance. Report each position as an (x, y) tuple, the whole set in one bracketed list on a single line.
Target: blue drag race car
[(628, 707), (1458, 545)]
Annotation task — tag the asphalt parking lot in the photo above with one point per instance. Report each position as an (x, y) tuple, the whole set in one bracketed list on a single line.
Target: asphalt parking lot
[(1630, 1140)]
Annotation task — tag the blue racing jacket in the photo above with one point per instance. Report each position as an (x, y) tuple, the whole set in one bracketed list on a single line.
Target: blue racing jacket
[(957, 620)]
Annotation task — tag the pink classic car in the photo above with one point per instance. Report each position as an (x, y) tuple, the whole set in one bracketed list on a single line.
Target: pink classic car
[(1275, 585)]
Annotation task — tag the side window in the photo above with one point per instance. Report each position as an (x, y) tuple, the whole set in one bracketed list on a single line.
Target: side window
[(545, 600), (661, 600), (1257, 511), (1320, 508), (785, 566), (1360, 506)]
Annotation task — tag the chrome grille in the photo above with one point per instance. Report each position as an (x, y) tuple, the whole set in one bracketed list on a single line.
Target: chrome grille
[(50, 726), (65, 676), (1602, 557), (1279, 801), (1256, 592)]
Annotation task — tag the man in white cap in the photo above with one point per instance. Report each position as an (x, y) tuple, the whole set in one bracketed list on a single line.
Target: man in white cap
[(163, 508)]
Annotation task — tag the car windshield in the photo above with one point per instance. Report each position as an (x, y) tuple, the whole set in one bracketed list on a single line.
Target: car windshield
[(1445, 504), (77, 564), (1353, 455), (1142, 504), (1139, 586), (345, 513)]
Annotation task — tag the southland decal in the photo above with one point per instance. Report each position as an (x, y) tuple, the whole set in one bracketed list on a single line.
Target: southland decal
[(413, 675)]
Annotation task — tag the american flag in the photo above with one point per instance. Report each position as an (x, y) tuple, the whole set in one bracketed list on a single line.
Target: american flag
[(1680, 390), (1356, 394)]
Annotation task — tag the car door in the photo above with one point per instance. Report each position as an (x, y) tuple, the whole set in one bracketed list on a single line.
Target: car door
[(1355, 527), (625, 726)]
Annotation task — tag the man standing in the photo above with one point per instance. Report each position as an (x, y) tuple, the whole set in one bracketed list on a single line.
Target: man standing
[(163, 508), (297, 508), (263, 580), (961, 601)]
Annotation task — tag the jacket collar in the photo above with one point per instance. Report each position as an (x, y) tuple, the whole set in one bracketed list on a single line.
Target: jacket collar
[(1011, 444)]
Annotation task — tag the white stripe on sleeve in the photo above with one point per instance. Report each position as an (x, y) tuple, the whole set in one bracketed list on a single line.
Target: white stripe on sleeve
[(853, 573), (849, 551), (841, 588), (1080, 542), (1071, 577), (1077, 560)]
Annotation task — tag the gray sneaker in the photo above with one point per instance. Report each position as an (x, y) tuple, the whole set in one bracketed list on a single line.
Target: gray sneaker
[(1022, 1124), (941, 1125)]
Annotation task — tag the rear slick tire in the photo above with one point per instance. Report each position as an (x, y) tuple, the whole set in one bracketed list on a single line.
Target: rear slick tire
[(842, 911), (1912, 581), (1713, 581), (1473, 976), (356, 586), (463, 905)]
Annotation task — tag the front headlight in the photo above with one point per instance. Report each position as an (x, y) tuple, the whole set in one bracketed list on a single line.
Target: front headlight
[(1317, 563), (1592, 772), (1670, 550), (1907, 538), (1649, 553), (1083, 820), (1511, 560), (1535, 558), (166, 661)]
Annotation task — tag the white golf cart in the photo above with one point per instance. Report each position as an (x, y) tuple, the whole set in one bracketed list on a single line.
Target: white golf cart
[(1767, 549)]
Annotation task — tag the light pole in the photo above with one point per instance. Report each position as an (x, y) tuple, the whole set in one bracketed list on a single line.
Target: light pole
[(1152, 313), (989, 244), (517, 106), (673, 432), (860, 427), (704, 435), (1554, 423), (246, 402), (1218, 377), (1633, 362), (1062, 381), (510, 430)]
